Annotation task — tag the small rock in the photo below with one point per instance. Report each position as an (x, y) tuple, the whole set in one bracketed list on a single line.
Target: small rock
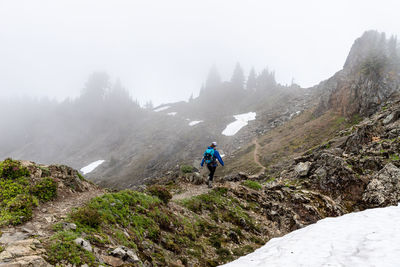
[(392, 117), (19, 250), (303, 168), (48, 219), (118, 252), (27, 230), (132, 257), (321, 173), (84, 244), (5, 255), (125, 254), (113, 261), (69, 226)]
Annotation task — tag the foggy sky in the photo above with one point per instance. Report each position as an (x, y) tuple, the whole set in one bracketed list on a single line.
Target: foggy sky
[(162, 50)]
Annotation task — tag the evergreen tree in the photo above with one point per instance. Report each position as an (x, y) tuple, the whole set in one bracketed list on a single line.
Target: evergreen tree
[(213, 79), (191, 98), (393, 52), (96, 87), (266, 80), (118, 94), (237, 79), (251, 83)]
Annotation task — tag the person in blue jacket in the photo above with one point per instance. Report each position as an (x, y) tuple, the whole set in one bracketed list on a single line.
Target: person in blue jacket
[(210, 157)]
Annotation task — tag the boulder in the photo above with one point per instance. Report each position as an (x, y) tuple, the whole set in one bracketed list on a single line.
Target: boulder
[(84, 244), (384, 188), (69, 226), (197, 178), (125, 254), (303, 168), (392, 117)]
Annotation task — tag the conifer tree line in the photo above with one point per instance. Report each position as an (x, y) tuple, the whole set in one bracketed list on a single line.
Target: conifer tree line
[(254, 82)]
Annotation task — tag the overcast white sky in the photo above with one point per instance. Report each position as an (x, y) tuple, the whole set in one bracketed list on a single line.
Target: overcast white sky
[(162, 50)]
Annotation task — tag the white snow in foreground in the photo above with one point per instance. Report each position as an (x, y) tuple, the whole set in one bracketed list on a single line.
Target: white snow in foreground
[(367, 238), (172, 113), (241, 121), (89, 168), (162, 108), (193, 123)]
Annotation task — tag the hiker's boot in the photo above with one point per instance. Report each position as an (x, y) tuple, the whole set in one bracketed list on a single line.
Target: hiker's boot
[(209, 184)]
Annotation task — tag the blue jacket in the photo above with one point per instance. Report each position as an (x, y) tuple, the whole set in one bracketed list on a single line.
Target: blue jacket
[(217, 156)]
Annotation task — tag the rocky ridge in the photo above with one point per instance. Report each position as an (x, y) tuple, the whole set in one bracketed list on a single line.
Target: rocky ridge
[(21, 245), (371, 74), (359, 168)]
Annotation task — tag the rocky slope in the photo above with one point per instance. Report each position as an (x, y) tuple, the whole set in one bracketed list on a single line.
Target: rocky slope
[(356, 170), (33, 197)]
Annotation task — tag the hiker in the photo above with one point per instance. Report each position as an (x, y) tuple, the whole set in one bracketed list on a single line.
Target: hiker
[(210, 157)]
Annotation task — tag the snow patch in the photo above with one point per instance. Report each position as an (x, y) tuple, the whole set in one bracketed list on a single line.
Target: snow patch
[(161, 109), (193, 123), (367, 238), (241, 121), (172, 113), (294, 114), (89, 168)]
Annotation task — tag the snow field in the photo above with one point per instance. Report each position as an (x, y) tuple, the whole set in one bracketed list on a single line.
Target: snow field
[(162, 108), (367, 238), (89, 168), (241, 121), (193, 123)]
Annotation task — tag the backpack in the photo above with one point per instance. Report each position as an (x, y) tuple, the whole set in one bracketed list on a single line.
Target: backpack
[(209, 157)]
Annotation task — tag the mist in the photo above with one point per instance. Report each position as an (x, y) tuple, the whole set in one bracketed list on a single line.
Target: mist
[(163, 50)]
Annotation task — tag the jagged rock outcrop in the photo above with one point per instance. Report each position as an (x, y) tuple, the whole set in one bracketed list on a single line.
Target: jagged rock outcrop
[(360, 167), (369, 77), (384, 188), (24, 253)]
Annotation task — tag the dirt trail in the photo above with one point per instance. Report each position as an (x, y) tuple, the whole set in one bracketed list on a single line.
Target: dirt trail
[(46, 215), (256, 159), (191, 190), (52, 212)]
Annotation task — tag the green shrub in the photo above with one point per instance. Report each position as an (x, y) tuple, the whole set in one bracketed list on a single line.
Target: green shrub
[(80, 176), (16, 203), (161, 192), (12, 188), (186, 169), (18, 210), (12, 169), (46, 189), (62, 247), (87, 216), (373, 65), (252, 184)]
